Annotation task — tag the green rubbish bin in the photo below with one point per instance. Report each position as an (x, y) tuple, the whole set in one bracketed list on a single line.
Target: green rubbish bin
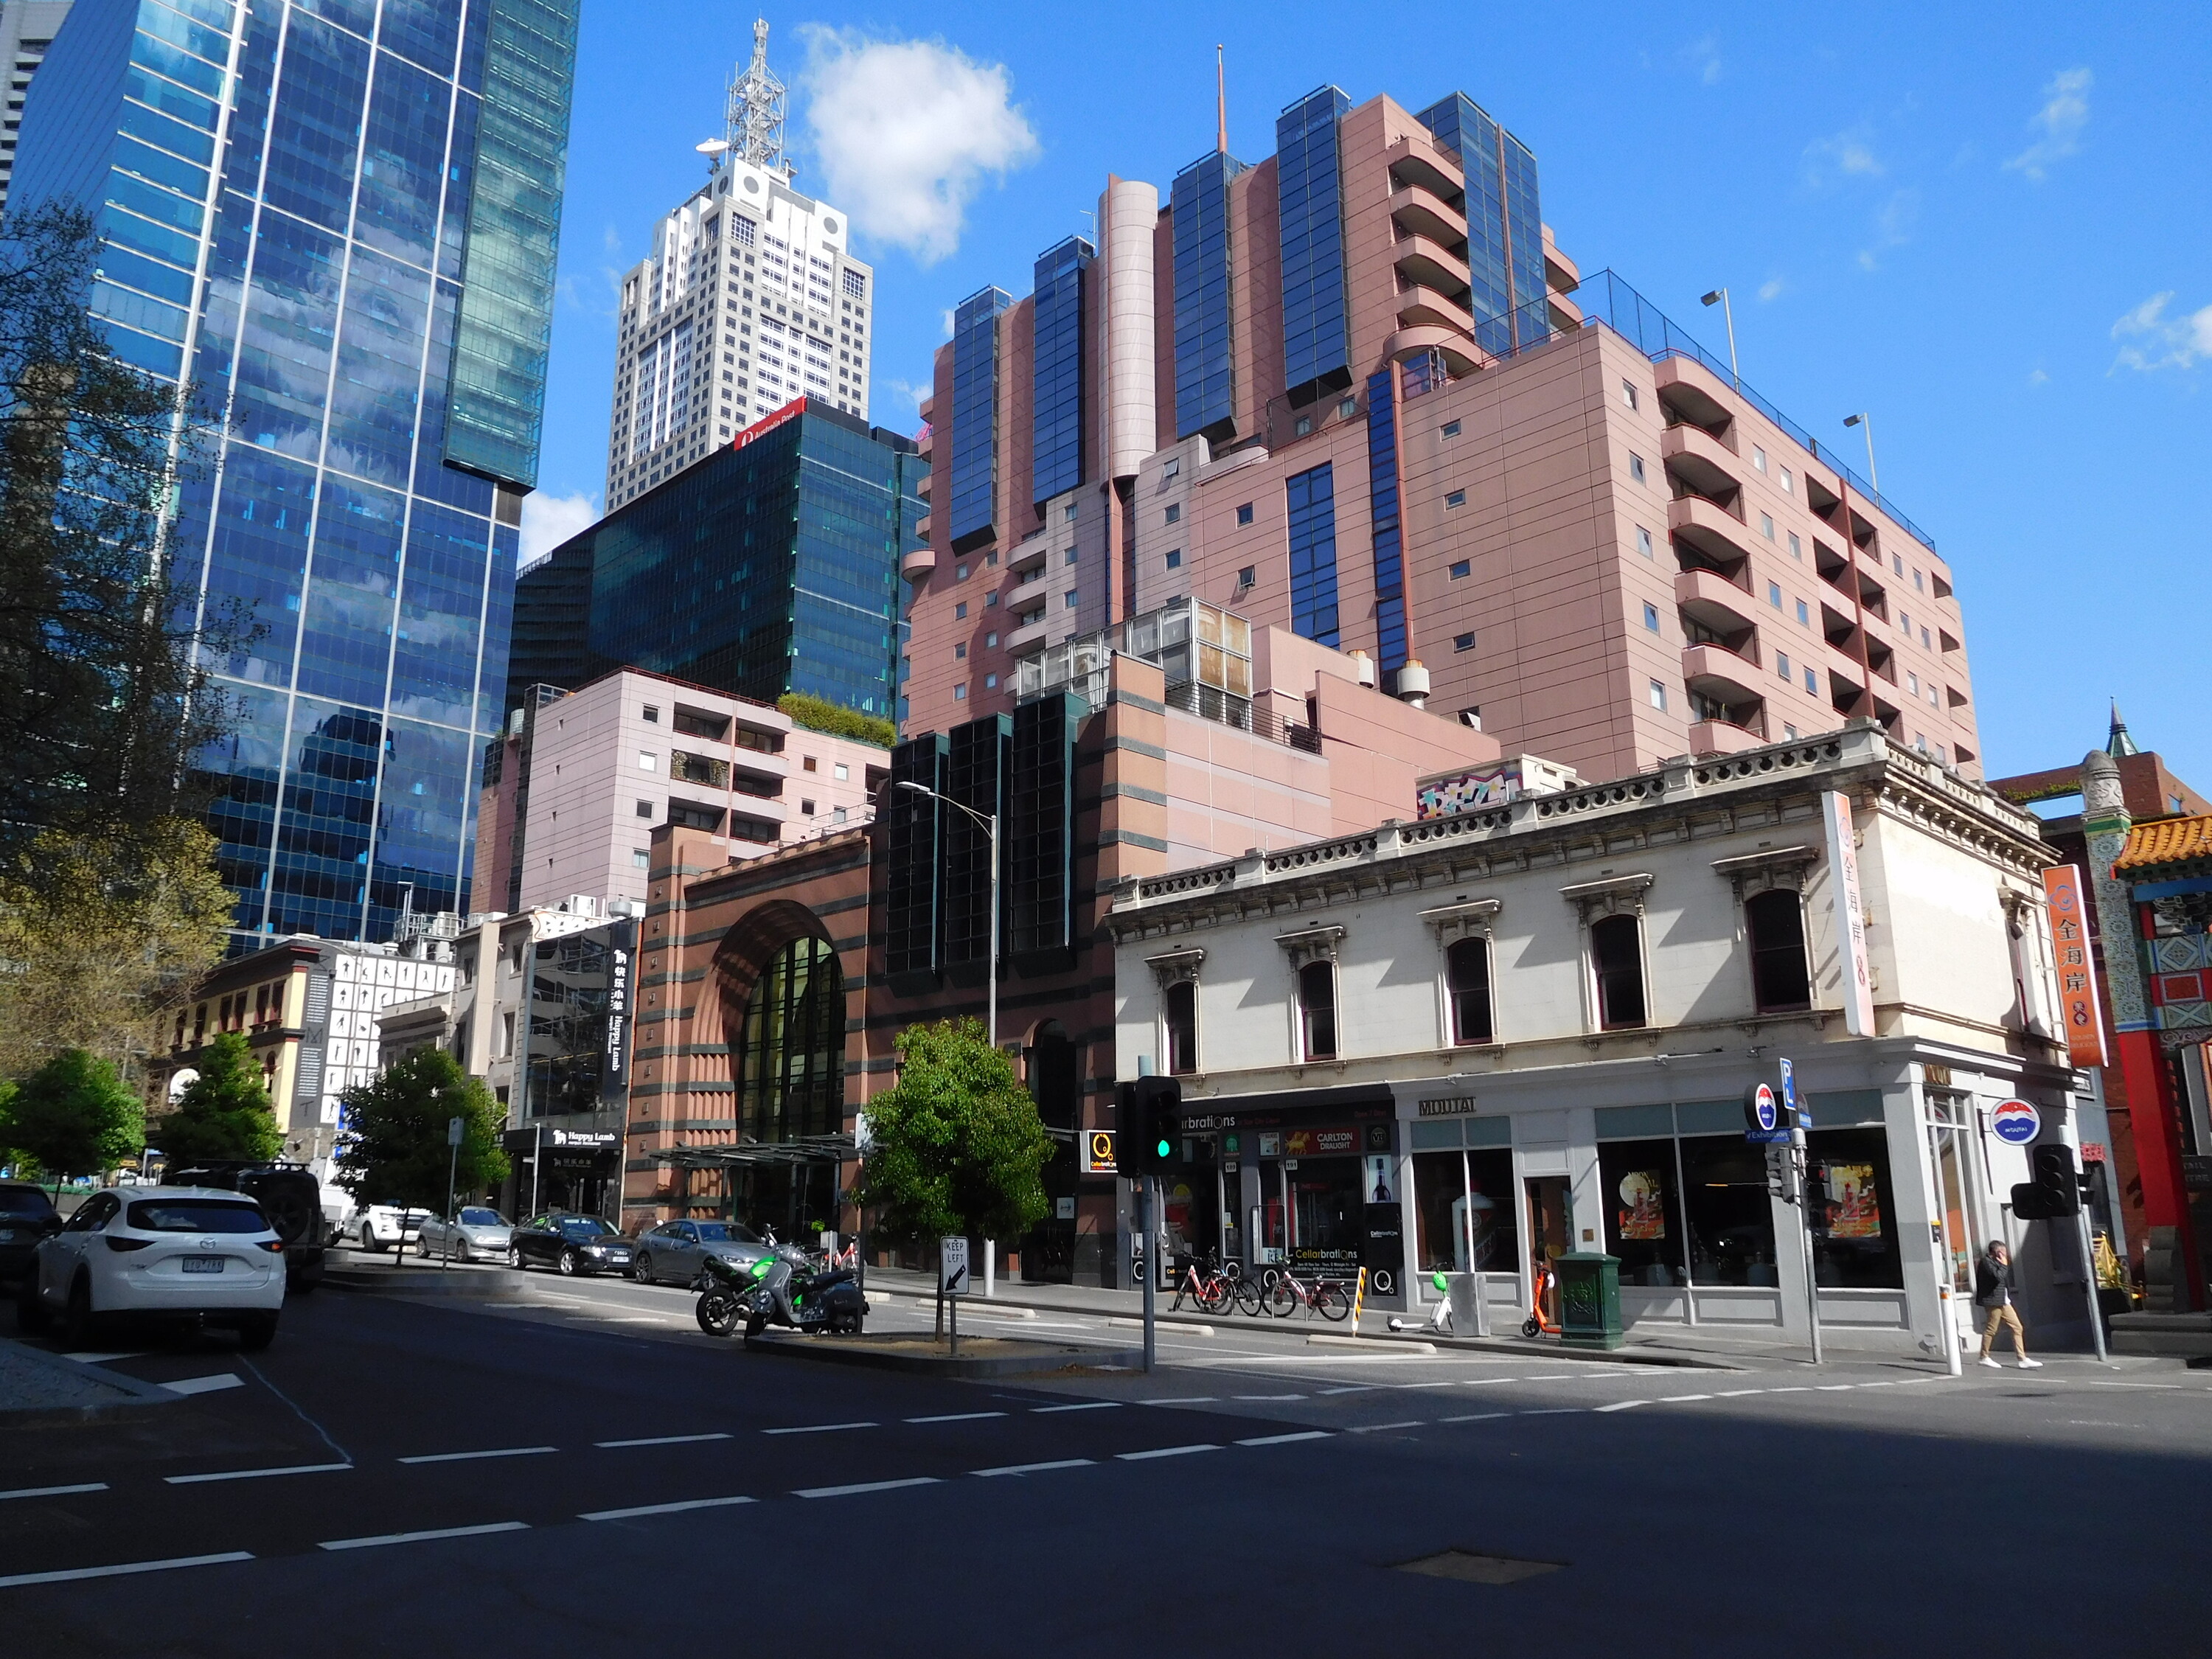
[(1590, 1299)]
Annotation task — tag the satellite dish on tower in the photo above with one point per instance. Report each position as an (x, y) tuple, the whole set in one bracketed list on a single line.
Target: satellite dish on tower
[(713, 149)]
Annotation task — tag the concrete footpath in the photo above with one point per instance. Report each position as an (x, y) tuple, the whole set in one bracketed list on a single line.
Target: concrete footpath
[(37, 1387)]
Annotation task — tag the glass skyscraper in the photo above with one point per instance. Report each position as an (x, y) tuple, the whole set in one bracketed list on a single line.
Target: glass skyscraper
[(339, 219)]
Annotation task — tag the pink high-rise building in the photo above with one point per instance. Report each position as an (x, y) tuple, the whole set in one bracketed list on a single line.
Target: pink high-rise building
[(1356, 392)]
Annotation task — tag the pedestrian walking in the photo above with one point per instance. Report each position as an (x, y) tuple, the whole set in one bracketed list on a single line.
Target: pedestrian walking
[(1993, 1294)]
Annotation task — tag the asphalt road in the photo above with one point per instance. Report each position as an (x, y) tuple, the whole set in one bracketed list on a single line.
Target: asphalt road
[(570, 1463)]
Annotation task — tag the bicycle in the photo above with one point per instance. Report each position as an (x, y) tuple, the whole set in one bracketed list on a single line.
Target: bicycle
[(1325, 1296), (1212, 1290)]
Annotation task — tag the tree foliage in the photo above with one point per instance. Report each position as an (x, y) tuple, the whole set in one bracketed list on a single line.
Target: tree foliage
[(104, 933), (955, 1147), (72, 1117), (820, 714), (394, 1150), (223, 1113)]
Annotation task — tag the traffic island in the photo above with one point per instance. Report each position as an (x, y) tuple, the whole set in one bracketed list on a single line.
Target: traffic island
[(927, 1356)]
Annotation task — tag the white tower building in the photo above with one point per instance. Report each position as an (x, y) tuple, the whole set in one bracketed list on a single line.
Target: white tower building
[(748, 300)]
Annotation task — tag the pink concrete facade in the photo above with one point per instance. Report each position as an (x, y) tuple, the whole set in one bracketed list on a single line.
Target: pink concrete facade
[(1608, 560), (632, 750)]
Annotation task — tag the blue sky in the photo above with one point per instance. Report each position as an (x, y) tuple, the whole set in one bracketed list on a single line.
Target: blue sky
[(1962, 220)]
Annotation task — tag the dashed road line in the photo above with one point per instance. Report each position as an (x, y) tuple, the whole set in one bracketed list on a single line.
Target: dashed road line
[(1166, 1451), (68, 1574), (865, 1486), (676, 1508), (659, 1440), (1037, 1468), (254, 1474), (429, 1536), (1287, 1439), (1619, 1406), (956, 1417), (189, 1385), (471, 1456), (822, 1428), (53, 1491), (1480, 1417), (1377, 1428), (1079, 1406), (1185, 1400)]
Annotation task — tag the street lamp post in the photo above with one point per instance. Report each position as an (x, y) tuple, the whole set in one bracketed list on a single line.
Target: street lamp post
[(990, 822), (1867, 420), (1719, 297)]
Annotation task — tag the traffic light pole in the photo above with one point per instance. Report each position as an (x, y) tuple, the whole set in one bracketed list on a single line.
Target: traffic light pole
[(1804, 1201), (1151, 1271), (2089, 1277)]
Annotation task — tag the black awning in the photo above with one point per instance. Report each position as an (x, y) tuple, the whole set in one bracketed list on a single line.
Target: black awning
[(807, 1149)]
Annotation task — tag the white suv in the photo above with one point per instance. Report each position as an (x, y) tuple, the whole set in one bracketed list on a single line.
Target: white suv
[(194, 1253)]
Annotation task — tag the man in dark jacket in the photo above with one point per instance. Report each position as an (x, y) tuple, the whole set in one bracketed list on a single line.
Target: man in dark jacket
[(1993, 1294)]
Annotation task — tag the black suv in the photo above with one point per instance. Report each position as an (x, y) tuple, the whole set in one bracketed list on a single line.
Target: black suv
[(289, 1196), (27, 1215)]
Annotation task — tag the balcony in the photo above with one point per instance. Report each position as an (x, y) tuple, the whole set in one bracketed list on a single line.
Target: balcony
[(1027, 596), (1708, 598), (1422, 212), (918, 565), (1705, 464), (921, 527), (1431, 265), (1567, 315), (929, 409), (1715, 672), (1460, 355), (1419, 307), (1029, 635), (1030, 556), (1411, 161), (1711, 530), (921, 486), (1721, 738)]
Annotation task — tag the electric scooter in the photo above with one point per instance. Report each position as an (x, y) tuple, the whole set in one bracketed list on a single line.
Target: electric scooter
[(1546, 1279)]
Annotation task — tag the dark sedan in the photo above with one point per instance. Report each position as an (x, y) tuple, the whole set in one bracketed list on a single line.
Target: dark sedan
[(570, 1244), (27, 1215)]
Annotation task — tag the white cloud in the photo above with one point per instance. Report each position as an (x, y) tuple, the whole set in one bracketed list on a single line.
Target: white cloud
[(905, 132), (2149, 339), (549, 520), (2065, 112), (1703, 56), (1846, 154), (907, 395), (946, 322), (2039, 377), (1893, 226), (1773, 288)]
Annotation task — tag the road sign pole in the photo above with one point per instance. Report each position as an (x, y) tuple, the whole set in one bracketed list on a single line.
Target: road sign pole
[(2090, 1273), (1797, 1162), (453, 1171), (1151, 1272)]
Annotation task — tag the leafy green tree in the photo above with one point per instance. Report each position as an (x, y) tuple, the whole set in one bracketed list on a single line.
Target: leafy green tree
[(820, 714), (396, 1152), (223, 1113), (955, 1147), (73, 1117)]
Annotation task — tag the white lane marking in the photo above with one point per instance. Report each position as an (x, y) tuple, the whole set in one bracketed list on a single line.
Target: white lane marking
[(1493, 1382), (104, 1359), (1377, 1428), (1836, 1388), (664, 1509), (254, 1474), (1083, 1405), (1266, 1396), (2101, 1382), (1556, 1410), (1349, 1388), (1679, 1399), (53, 1492), (1624, 1405), (956, 1417), (659, 1440), (1285, 1439), (205, 1385), (1794, 1388), (424, 1537), (865, 1485), (66, 1574), (1185, 1400), (469, 1456), (820, 1428), (1447, 1384), (1165, 1451), (1738, 1394), (1037, 1468), (1478, 1417), (1890, 1383)]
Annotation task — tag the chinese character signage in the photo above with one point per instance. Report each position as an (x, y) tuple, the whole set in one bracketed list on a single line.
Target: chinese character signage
[(1850, 916), (622, 966), (2077, 967)]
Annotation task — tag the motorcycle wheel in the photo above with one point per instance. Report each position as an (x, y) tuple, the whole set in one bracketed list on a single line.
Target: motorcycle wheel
[(717, 1313), (845, 1324), (756, 1324)]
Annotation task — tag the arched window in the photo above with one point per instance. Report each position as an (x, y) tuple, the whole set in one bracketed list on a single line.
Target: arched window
[(1617, 959), (1774, 923), (1467, 975), (791, 1059), (1181, 1006), (1317, 1011)]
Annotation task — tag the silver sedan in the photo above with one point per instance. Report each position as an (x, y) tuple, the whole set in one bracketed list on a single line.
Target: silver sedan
[(475, 1235), (677, 1251)]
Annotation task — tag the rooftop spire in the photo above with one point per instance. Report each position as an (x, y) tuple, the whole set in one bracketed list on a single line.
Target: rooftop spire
[(1220, 105), (753, 118), (2119, 743)]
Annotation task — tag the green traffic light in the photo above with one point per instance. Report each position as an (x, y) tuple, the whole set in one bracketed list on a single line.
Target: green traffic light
[(1165, 1148)]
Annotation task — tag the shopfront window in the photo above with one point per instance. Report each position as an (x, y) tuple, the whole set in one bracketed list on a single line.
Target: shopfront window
[(1182, 1008), (1463, 1199), (1617, 958), (1326, 1231), (1466, 967), (1730, 1218), (1854, 1244), (1774, 923), (1643, 1212), (1317, 1011)]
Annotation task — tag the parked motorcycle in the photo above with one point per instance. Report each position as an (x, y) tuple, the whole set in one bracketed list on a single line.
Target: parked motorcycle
[(773, 1292)]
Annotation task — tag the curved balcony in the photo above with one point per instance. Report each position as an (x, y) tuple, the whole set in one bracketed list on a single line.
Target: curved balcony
[(922, 527), (918, 565), (1708, 598), (1030, 556), (1717, 672), (1721, 738), (1700, 460), (1460, 355), (1713, 530), (1567, 315), (1424, 213), (1431, 264), (1029, 635), (1426, 306), (1025, 594), (1412, 161)]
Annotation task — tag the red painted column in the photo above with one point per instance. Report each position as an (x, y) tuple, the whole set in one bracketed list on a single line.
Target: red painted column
[(2155, 1115)]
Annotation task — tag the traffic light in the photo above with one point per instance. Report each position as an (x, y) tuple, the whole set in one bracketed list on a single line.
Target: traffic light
[(1148, 1125), (2056, 1188)]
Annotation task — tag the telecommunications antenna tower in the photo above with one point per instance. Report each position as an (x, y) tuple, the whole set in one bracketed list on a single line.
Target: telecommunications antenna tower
[(753, 118)]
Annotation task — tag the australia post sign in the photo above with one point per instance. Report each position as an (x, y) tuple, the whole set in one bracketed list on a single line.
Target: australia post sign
[(2076, 963)]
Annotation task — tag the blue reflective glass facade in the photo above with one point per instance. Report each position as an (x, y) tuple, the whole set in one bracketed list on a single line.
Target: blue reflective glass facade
[(288, 190), (1315, 352), (971, 504), (761, 571), (1056, 458), (1383, 524), (1204, 342), (1504, 222), (1311, 498)]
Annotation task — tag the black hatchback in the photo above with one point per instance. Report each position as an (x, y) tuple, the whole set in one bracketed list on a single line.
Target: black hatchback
[(27, 1215), (571, 1245)]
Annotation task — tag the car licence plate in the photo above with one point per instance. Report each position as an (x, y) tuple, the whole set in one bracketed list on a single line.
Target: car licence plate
[(202, 1264)]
